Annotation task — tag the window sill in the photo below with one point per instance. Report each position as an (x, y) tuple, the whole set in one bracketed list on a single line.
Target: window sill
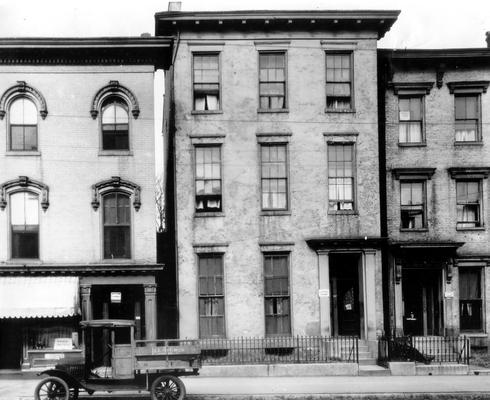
[(23, 153), (117, 261), (418, 144), (206, 112), (333, 111), (209, 214), (343, 212), (115, 153), (275, 212), (479, 143), (479, 228), (24, 261), (272, 110), (414, 230)]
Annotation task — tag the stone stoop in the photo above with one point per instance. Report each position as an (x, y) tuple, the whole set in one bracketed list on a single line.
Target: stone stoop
[(366, 357), (373, 370)]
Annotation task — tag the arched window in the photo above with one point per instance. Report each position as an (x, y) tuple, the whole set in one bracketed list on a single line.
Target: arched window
[(115, 124), (23, 125), (117, 225), (24, 223)]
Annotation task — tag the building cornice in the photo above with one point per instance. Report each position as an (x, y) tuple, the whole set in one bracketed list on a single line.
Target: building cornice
[(18, 269), (342, 243)]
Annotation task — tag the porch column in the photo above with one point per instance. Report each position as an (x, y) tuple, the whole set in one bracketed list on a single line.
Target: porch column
[(150, 311), (398, 272), (324, 292), (448, 299), (85, 290), (370, 293)]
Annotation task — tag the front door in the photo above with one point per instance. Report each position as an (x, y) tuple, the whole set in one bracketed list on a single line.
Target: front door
[(344, 286), (10, 344), (422, 301)]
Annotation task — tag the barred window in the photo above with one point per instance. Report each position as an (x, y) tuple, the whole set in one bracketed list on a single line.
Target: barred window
[(272, 80), (208, 178), (274, 177), (276, 293), (340, 177), (339, 81), (206, 82), (211, 296)]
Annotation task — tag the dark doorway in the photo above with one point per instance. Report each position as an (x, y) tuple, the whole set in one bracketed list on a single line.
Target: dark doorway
[(422, 301), (10, 344), (345, 300)]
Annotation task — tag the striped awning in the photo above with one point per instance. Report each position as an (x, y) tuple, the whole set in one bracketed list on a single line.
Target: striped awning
[(37, 297)]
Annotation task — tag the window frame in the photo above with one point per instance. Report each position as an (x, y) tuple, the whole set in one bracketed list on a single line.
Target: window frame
[(424, 226), (104, 104), (352, 108), (11, 229), (421, 97), (11, 102), (354, 209), (480, 272), (219, 110), (285, 108), (479, 222), (222, 296), (286, 178), (478, 128), (208, 212), (129, 225)]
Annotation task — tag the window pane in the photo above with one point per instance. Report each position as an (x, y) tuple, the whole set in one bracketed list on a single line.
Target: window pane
[(23, 112), (340, 173), (116, 242)]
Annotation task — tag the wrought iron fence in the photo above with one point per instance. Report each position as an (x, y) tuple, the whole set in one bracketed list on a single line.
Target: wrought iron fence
[(279, 350), (427, 349)]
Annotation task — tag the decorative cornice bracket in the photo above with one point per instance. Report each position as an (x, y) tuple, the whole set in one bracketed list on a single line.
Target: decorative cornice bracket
[(113, 184), (23, 88), (24, 182), (469, 172), (468, 87), (114, 88)]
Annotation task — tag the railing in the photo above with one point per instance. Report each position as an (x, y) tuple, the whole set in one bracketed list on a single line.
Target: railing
[(427, 349), (279, 350)]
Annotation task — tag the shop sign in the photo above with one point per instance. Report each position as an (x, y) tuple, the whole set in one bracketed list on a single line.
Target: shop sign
[(63, 344), (53, 356), (116, 297)]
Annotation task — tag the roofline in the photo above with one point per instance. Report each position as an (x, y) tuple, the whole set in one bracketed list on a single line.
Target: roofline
[(435, 53)]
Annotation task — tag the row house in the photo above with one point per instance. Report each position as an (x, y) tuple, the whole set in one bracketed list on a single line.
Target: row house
[(77, 212), (272, 171), (435, 110)]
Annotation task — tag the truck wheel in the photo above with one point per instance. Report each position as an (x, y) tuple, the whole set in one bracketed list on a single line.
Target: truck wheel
[(52, 388), (167, 387)]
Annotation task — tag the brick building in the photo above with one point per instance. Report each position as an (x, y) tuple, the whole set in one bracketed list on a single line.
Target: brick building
[(434, 107), (273, 176), (77, 213)]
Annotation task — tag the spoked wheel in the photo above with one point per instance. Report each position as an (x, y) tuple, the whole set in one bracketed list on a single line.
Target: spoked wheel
[(52, 388), (167, 387)]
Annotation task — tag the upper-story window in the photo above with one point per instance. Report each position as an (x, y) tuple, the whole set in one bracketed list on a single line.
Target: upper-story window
[(272, 80), (341, 176), (24, 223), (206, 82), (208, 178), (468, 203), (339, 85), (115, 124), (410, 115), (117, 225), (23, 125), (274, 176), (467, 118), (412, 205)]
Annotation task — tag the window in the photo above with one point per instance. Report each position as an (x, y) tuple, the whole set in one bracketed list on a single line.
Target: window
[(340, 177), (467, 117), (23, 125), (339, 81), (274, 177), (276, 293), (470, 299), (115, 125), (206, 82), (24, 221), (410, 119), (468, 203), (211, 296), (208, 178), (117, 224), (412, 205), (272, 81)]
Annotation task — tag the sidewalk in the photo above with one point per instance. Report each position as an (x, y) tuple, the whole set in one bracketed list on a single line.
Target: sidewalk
[(20, 387)]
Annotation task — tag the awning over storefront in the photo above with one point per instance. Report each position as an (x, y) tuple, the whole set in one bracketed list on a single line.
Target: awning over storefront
[(37, 297)]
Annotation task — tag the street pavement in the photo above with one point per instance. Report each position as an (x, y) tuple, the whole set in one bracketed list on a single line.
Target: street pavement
[(21, 387)]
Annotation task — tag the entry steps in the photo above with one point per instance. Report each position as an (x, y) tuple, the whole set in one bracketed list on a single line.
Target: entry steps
[(366, 357)]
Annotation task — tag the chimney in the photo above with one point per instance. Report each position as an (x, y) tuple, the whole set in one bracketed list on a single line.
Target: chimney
[(174, 6), (488, 39)]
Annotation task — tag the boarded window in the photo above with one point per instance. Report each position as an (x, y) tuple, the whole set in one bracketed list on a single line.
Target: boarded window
[(274, 177), (339, 81), (117, 224), (272, 81), (340, 177), (410, 119), (211, 296), (206, 82), (412, 205), (276, 293), (208, 178)]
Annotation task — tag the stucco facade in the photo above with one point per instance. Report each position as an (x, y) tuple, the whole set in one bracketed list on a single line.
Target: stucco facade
[(315, 240)]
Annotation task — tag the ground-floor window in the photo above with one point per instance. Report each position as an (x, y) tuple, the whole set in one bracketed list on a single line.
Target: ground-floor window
[(470, 299)]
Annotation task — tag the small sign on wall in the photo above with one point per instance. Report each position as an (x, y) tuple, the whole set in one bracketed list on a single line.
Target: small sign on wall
[(323, 293), (116, 297), (449, 294)]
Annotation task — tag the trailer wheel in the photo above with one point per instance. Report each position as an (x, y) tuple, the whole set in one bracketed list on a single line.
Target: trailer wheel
[(52, 388), (167, 387)]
